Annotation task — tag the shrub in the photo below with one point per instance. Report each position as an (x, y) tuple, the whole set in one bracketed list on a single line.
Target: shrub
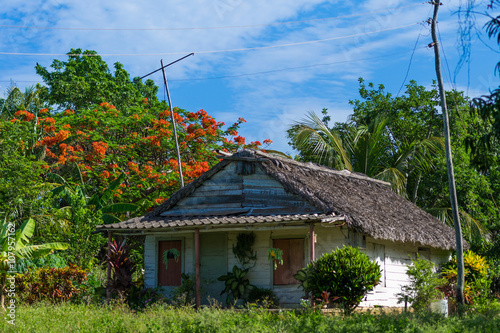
[(424, 282), (344, 276), (237, 285), (263, 297), (139, 299), (122, 268), (494, 275), (185, 293), (477, 280), (52, 284), (53, 260)]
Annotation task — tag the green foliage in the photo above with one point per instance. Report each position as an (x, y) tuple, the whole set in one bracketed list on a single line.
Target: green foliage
[(51, 284), (80, 223), (184, 295), (116, 318), (399, 139), (477, 279), (85, 79), (14, 246), (22, 187), (243, 249), (368, 142), (264, 298), (237, 286), (142, 298), (346, 274), (29, 100), (275, 255), (53, 260), (423, 287), (171, 254), (302, 276)]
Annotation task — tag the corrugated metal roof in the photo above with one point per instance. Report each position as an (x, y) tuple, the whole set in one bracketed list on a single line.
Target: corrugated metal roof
[(146, 223)]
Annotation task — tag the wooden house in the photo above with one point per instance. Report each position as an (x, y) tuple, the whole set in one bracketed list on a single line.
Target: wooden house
[(301, 208)]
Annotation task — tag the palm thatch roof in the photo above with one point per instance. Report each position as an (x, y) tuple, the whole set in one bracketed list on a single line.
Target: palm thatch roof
[(367, 205)]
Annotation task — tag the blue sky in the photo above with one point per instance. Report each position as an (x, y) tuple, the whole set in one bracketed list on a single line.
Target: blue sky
[(292, 56)]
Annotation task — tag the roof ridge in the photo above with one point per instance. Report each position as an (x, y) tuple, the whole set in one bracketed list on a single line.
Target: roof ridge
[(316, 167)]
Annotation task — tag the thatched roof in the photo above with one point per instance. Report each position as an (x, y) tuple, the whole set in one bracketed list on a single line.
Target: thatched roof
[(367, 205)]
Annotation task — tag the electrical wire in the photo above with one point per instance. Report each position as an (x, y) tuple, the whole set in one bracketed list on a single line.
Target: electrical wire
[(209, 28), (290, 68), (265, 72), (209, 51), (409, 64), (411, 57)]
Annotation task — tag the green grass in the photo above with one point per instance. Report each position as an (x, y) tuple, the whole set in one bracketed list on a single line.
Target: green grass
[(92, 318)]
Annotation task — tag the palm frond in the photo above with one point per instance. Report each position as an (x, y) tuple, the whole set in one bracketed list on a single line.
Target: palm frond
[(324, 143), (471, 227)]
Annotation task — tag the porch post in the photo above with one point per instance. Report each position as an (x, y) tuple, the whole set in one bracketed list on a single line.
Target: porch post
[(312, 239), (197, 266), (108, 273)]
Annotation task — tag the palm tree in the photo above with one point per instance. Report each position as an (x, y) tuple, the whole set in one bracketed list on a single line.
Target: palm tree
[(366, 148), (29, 100)]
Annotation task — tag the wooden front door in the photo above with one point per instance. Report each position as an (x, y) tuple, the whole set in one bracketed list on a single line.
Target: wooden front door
[(293, 260), (169, 275)]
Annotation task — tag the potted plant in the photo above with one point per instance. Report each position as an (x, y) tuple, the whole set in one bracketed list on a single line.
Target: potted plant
[(172, 253), (276, 256)]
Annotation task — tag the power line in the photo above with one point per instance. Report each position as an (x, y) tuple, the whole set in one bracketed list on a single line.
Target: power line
[(208, 28), (289, 68), (261, 72), (411, 57), (209, 51)]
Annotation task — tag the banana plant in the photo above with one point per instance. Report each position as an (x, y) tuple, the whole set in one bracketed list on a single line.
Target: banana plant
[(237, 285), (14, 246), (97, 201)]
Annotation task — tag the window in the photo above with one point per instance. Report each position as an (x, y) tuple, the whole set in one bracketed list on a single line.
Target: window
[(293, 260), (171, 275), (357, 239)]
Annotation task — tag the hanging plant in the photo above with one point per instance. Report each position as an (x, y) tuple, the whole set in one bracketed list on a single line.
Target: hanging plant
[(172, 253), (276, 256), (243, 250)]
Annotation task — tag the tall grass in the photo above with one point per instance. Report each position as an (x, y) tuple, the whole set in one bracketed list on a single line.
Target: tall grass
[(119, 318)]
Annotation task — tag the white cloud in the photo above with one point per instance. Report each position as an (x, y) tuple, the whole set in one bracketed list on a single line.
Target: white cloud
[(268, 101)]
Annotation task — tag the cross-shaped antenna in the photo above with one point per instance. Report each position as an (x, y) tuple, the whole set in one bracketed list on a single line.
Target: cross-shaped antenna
[(162, 68)]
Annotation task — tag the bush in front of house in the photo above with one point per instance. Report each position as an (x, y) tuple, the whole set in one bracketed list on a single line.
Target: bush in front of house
[(423, 286), (342, 278), (264, 298), (479, 276), (52, 284)]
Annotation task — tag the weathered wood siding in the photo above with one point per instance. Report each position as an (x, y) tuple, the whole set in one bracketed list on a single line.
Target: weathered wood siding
[(151, 255), (392, 257), (228, 192), (261, 275)]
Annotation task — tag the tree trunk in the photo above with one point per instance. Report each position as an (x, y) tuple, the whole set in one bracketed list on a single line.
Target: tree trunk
[(3, 291), (449, 165)]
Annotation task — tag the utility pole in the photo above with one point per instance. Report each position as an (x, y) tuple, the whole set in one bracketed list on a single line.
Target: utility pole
[(449, 163)]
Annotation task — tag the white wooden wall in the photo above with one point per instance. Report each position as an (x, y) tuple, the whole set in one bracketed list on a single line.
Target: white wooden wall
[(151, 255), (393, 259)]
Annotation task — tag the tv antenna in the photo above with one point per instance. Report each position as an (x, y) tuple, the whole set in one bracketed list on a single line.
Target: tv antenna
[(162, 68)]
